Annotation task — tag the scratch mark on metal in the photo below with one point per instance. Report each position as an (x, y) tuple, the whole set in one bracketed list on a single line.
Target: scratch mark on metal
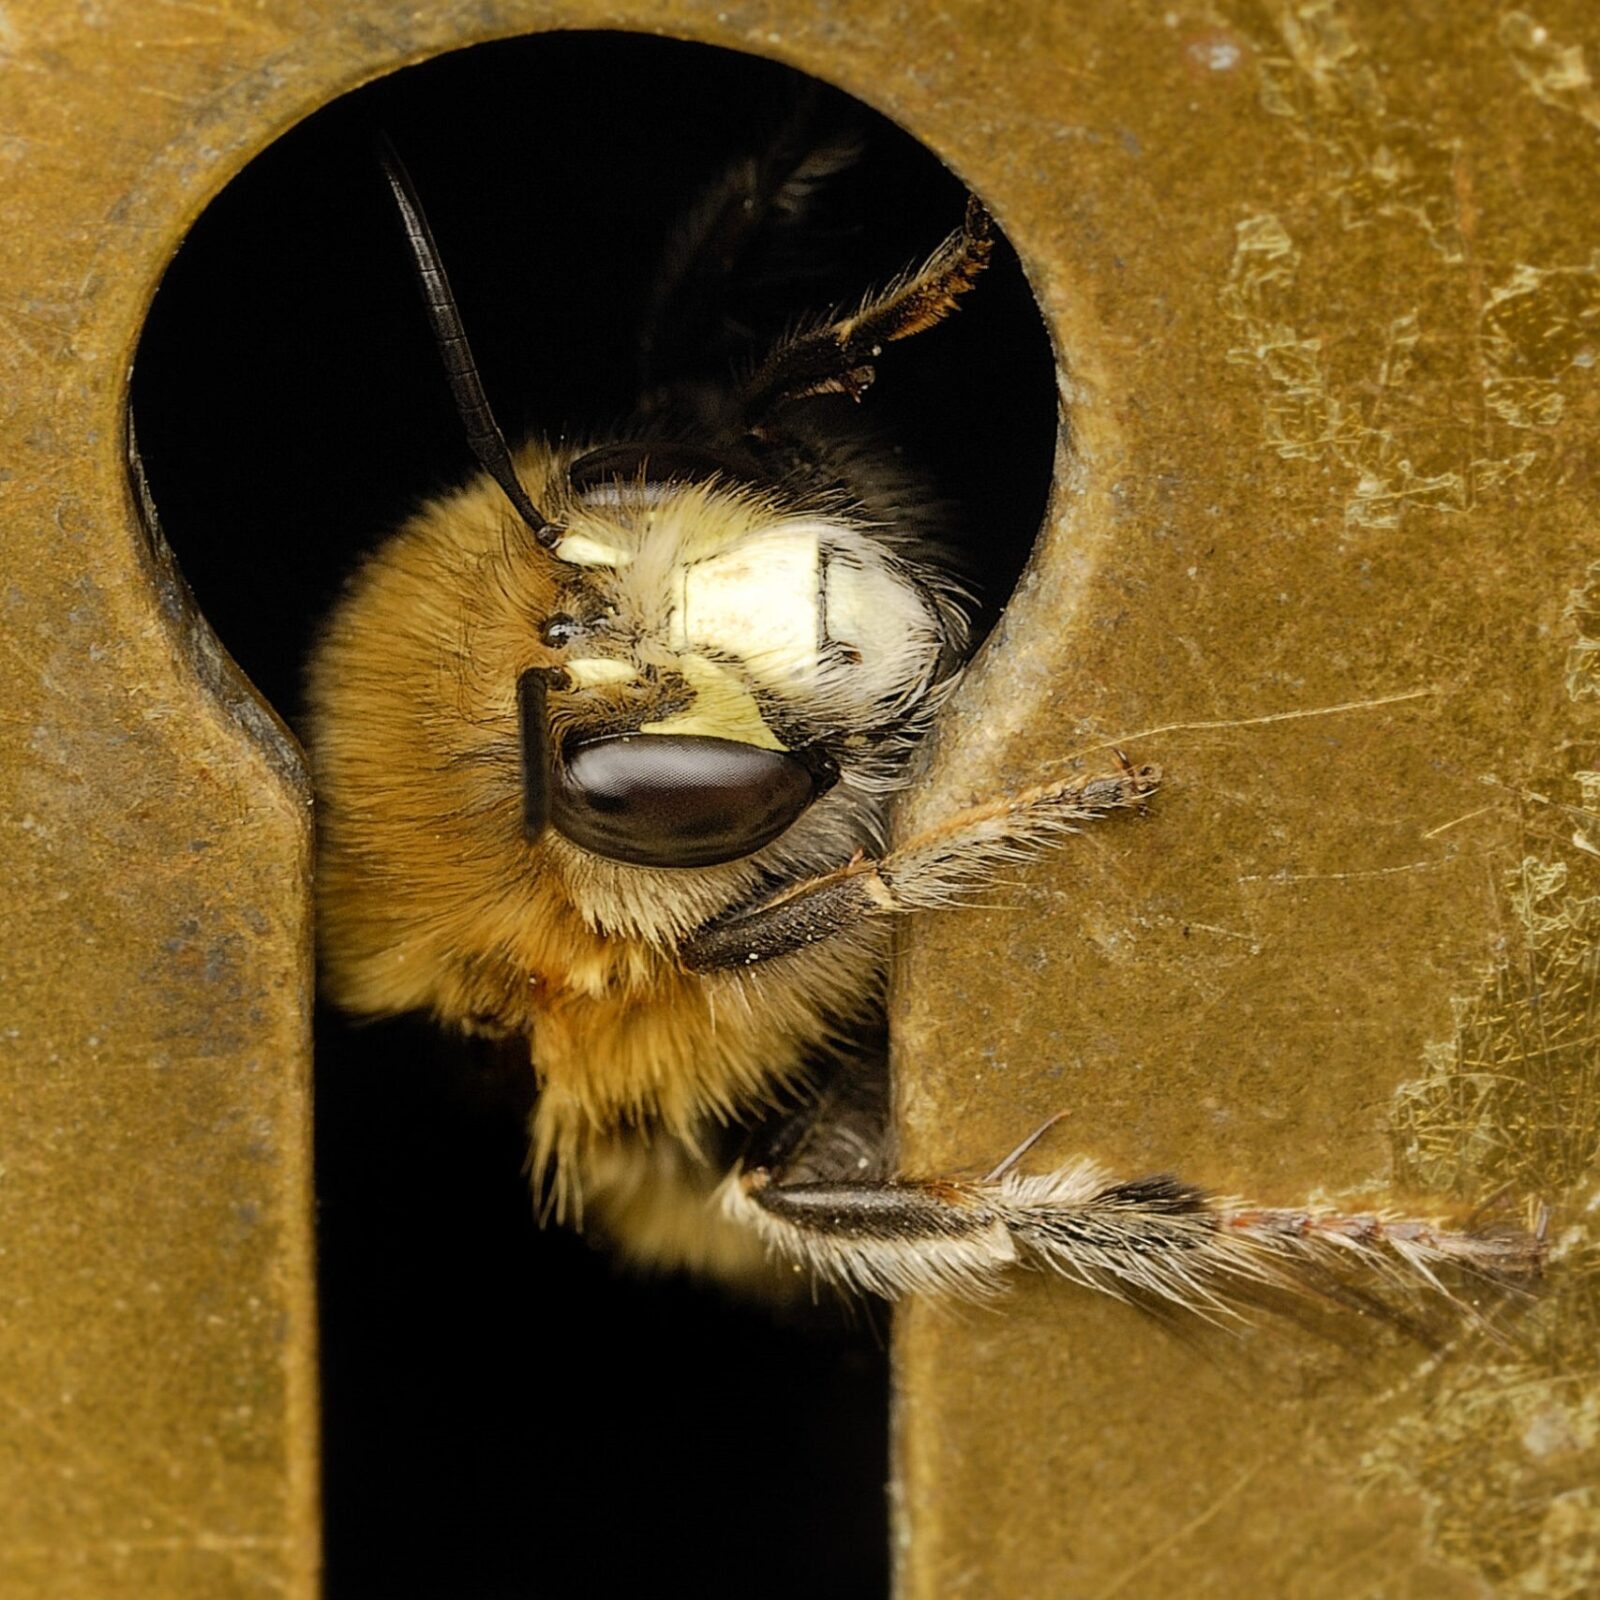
[(1324, 86), (1525, 342), (1228, 933), (16, 345), (1536, 329), (1532, 797), (1455, 822), (1583, 656), (1505, 1449), (1309, 417), (1370, 872), (1177, 1536), (205, 1543), (1226, 724), (137, 1490)]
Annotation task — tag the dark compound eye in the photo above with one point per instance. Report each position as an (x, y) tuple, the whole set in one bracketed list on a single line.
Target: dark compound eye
[(660, 800), (560, 630)]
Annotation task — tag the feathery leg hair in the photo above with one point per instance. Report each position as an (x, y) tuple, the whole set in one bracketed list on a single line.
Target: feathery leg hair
[(717, 235), (819, 1194), (840, 357), (759, 195), (933, 868), (1149, 1239)]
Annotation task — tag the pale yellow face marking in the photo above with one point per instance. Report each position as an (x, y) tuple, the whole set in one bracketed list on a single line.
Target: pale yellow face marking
[(584, 550), (588, 672), (859, 601), (723, 708), (759, 602)]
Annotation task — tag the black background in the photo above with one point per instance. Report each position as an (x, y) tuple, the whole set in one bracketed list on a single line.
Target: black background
[(505, 1414)]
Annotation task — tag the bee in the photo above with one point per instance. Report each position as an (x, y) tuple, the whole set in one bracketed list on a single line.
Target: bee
[(606, 743)]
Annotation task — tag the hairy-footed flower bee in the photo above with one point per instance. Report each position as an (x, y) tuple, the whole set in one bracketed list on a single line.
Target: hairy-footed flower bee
[(605, 745)]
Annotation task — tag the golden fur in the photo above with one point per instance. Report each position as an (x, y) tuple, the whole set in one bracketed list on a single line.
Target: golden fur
[(431, 897)]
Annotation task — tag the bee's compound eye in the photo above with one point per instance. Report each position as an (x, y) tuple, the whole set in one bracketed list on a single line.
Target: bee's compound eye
[(682, 800)]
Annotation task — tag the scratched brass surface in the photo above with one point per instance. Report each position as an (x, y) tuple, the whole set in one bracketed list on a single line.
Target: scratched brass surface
[(157, 1389), (1322, 277)]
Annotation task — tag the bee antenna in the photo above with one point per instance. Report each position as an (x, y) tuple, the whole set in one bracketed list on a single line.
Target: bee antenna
[(460, 370)]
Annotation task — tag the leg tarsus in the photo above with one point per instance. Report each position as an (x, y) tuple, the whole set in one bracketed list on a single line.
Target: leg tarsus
[(840, 358), (932, 868)]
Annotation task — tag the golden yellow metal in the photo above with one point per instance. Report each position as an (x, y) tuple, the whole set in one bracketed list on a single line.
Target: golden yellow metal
[(1322, 280), (157, 1336)]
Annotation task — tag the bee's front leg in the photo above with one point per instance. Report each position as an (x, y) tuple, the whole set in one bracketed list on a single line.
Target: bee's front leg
[(933, 868)]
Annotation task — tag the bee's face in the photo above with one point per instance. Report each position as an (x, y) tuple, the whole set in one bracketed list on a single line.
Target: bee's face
[(713, 660)]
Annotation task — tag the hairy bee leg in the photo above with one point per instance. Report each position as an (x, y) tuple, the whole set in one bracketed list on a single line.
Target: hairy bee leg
[(1499, 1251), (931, 868), (819, 1190), (958, 1237), (714, 236), (650, 1199), (1149, 1239), (839, 358)]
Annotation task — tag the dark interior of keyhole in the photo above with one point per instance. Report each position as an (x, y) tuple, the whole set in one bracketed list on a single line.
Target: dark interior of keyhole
[(505, 1413)]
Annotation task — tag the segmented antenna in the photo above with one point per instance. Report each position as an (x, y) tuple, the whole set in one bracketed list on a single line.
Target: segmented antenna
[(460, 370)]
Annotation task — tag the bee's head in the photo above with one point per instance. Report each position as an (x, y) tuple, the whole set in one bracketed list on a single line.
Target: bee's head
[(716, 659)]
